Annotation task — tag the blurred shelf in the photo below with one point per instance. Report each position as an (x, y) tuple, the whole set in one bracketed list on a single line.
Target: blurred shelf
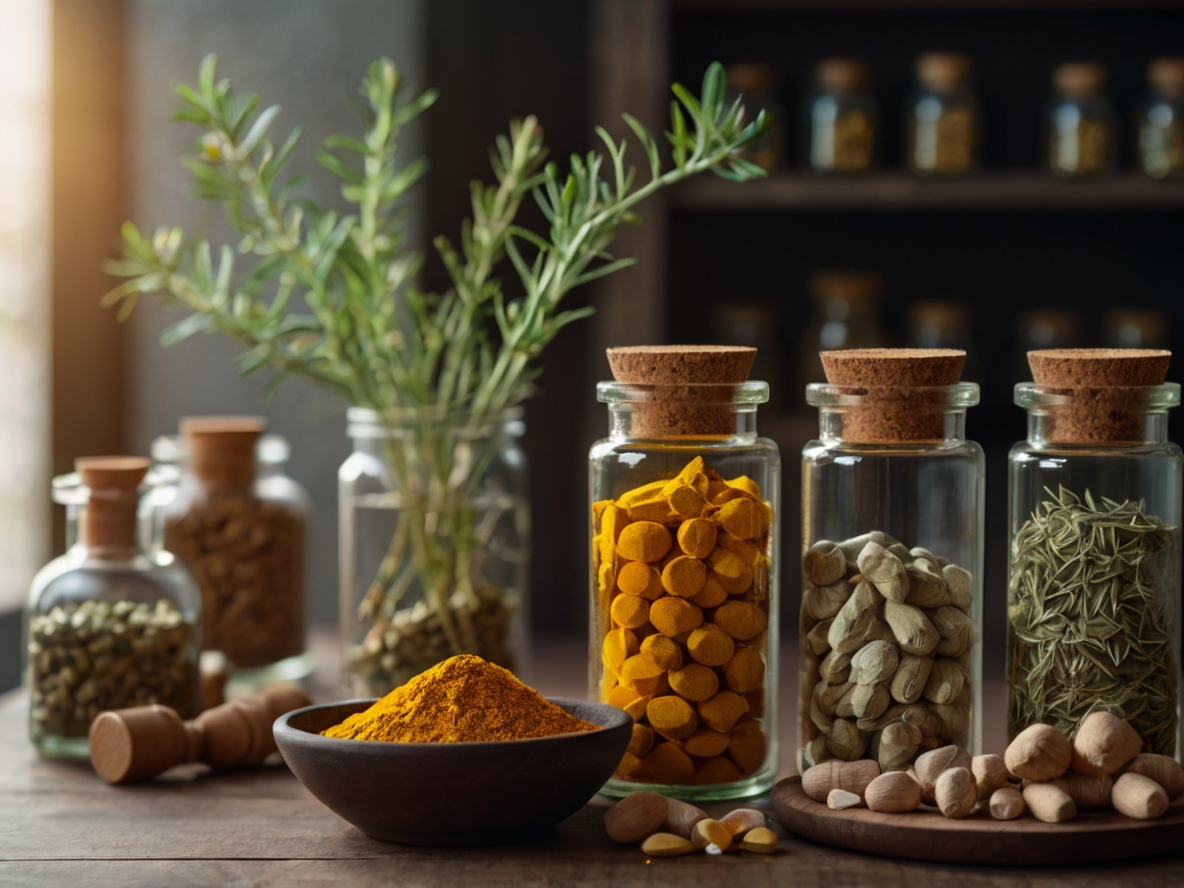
[(907, 5), (901, 191)]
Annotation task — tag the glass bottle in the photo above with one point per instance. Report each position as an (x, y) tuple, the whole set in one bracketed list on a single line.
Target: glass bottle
[(1094, 541), (845, 316), (934, 324), (892, 538), (1082, 130), (243, 535), (394, 633), (842, 118), (1136, 328), (685, 517), (1160, 122), (110, 624), (758, 83), (944, 120)]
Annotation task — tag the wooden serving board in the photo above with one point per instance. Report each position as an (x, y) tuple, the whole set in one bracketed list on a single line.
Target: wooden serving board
[(1092, 837)]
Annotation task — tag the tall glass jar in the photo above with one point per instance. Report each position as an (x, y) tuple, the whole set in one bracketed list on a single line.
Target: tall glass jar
[(1082, 127), (243, 535), (1094, 578), (404, 608), (892, 538), (944, 120), (109, 624), (1160, 121), (842, 118), (685, 516)]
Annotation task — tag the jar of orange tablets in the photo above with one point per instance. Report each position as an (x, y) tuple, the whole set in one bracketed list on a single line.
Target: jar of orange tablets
[(685, 502)]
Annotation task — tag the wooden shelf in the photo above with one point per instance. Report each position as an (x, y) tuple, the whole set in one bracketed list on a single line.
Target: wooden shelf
[(901, 191)]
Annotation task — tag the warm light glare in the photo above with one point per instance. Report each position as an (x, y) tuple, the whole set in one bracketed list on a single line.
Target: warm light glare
[(25, 65)]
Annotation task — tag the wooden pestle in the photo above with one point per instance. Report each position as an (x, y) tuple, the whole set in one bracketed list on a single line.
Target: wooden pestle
[(138, 743)]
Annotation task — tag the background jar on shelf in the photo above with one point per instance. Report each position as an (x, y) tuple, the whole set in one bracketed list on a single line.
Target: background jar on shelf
[(1082, 127), (892, 534), (685, 517), (1094, 540), (758, 83), (842, 118), (110, 624), (1160, 122), (944, 119)]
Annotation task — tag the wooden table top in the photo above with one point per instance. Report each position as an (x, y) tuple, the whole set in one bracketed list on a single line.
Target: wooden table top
[(61, 825)]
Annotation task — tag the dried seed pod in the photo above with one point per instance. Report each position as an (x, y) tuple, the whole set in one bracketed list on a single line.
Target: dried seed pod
[(875, 663), (856, 623), (667, 845), (946, 681), (681, 817), (955, 792), (1103, 744), (1137, 796), (893, 793), (930, 765), (835, 668), (817, 639), (635, 817), (885, 570), (818, 718), (927, 588), (990, 774), (829, 696), (1038, 753), (823, 602), (823, 563), (912, 629), (846, 705), (956, 630), (960, 585), (1006, 803), (914, 714), (870, 701), (854, 777), (817, 753), (1089, 792), (838, 799), (1163, 769), (742, 820), (1050, 801), (852, 547), (953, 718), (846, 741), (896, 745), (911, 676)]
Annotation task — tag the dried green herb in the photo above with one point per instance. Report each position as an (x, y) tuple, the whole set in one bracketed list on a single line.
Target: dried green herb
[(1093, 624)]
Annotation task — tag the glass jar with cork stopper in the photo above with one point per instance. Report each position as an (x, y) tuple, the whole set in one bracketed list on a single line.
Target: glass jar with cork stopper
[(1082, 127), (1160, 120), (684, 559), (892, 539), (842, 118), (1094, 541), (944, 120), (244, 539), (109, 624)]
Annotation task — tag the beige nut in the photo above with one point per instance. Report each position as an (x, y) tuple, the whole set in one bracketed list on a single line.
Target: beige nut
[(1103, 744), (930, 766), (1038, 753), (635, 817), (955, 792), (1050, 801), (854, 777), (1006, 803), (1163, 769), (1137, 796), (990, 774), (893, 793)]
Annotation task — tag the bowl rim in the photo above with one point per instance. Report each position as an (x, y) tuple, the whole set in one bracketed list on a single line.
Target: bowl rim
[(620, 718)]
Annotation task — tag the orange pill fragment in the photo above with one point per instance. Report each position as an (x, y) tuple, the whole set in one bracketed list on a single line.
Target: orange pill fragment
[(705, 743), (720, 769), (747, 746), (666, 763), (729, 571), (628, 768), (745, 671), (672, 616), (672, 717), (711, 595), (641, 579), (743, 518), (743, 482), (747, 552), (630, 611), (618, 645), (628, 699), (740, 619), (697, 536), (723, 710), (694, 682), (663, 651), (711, 646), (639, 667), (684, 576), (643, 740), (644, 541)]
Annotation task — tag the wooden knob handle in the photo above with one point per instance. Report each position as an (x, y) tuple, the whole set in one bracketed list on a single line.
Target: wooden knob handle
[(134, 744)]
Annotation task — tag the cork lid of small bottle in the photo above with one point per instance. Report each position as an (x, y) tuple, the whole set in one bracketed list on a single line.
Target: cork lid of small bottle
[(1104, 391), (842, 75), (1166, 74), (688, 388), (895, 408), (1079, 79), (943, 70), (222, 449), (109, 519)]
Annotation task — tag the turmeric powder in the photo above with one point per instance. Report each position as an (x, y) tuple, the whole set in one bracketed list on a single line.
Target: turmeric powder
[(462, 700)]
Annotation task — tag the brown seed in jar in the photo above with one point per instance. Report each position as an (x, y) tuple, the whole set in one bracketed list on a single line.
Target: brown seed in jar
[(696, 537), (741, 619), (672, 616), (641, 579), (672, 717), (631, 611), (710, 646), (694, 682), (684, 576)]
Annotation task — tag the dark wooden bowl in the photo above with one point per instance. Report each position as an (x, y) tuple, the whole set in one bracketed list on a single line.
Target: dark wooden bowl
[(453, 793)]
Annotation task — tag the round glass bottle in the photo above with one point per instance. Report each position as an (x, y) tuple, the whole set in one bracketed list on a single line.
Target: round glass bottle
[(1094, 542), (243, 536), (944, 118), (842, 118), (892, 536), (109, 624), (683, 629), (1160, 122), (1082, 128), (394, 622)]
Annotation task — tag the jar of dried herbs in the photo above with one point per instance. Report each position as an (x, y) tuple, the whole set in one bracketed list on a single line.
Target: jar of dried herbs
[(1094, 576), (944, 120), (684, 521), (1082, 126), (110, 623), (242, 532), (892, 541), (1161, 120), (842, 118)]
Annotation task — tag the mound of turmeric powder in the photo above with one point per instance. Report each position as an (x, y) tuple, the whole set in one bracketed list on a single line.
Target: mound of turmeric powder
[(462, 700)]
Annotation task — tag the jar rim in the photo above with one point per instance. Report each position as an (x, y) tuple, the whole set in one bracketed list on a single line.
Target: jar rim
[(362, 422), (750, 392), (1151, 398), (956, 397)]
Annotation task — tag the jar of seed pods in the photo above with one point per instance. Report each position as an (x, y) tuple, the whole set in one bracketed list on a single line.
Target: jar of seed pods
[(1093, 599), (685, 516), (110, 624), (892, 540)]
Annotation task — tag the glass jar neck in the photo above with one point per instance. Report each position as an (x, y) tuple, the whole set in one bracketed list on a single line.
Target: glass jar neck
[(1041, 428), (371, 433), (1107, 416), (892, 415), (835, 426), (732, 421)]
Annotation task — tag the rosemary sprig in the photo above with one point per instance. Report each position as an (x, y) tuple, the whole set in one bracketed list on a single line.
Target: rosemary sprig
[(1091, 616)]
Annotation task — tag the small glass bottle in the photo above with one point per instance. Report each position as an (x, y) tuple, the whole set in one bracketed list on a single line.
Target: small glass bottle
[(243, 536), (845, 316), (1136, 328), (944, 118), (1160, 122), (1093, 599), (1082, 128), (685, 517), (892, 538), (110, 625), (758, 84), (842, 118)]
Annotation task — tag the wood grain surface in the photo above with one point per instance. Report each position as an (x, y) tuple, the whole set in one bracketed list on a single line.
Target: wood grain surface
[(61, 825)]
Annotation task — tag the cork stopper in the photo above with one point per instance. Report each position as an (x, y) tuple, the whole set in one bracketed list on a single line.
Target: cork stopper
[(687, 389), (894, 407), (941, 71), (222, 449), (1104, 391), (1079, 79), (109, 519), (841, 75), (849, 286), (1166, 74), (751, 77)]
